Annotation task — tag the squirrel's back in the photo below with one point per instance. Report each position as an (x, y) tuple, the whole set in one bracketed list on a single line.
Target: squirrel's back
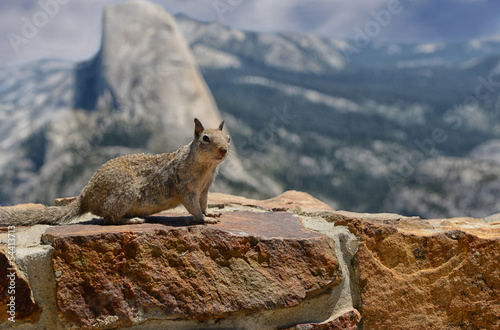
[(131, 186)]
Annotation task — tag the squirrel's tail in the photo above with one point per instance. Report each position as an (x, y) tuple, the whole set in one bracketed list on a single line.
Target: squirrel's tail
[(52, 215)]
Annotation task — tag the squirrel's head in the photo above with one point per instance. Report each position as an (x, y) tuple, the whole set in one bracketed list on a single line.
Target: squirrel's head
[(212, 144)]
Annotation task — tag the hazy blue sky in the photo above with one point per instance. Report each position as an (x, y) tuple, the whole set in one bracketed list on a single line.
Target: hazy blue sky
[(70, 29)]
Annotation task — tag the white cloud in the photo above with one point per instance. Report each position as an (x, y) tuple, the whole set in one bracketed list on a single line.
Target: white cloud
[(324, 17), (74, 33), (428, 48), (70, 31)]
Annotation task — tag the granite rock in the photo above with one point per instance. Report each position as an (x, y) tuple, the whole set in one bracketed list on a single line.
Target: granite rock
[(117, 276), (288, 262), (428, 274)]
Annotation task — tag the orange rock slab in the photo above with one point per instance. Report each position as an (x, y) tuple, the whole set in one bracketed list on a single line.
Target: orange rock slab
[(414, 274), (250, 261)]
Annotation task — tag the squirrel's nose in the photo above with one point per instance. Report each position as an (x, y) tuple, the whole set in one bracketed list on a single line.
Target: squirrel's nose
[(223, 151)]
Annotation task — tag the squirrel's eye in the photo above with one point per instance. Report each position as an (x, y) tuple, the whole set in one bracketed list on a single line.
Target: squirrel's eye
[(206, 138), (228, 139)]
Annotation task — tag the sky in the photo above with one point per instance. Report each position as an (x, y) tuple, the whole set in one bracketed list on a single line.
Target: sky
[(71, 29)]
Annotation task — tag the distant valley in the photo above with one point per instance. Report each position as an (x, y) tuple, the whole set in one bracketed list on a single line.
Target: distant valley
[(407, 128)]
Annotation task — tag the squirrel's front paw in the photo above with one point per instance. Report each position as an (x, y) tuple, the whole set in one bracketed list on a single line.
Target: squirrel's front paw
[(210, 220), (131, 221)]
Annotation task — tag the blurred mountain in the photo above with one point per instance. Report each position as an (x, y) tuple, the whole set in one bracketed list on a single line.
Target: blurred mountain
[(359, 127), (452, 186), (346, 122), (488, 151), (140, 93), (449, 187)]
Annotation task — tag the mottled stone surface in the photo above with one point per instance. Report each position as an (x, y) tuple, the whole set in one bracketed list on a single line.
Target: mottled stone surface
[(428, 274), (25, 308), (109, 276)]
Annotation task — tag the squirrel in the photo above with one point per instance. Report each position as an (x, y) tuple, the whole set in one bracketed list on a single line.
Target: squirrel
[(129, 188)]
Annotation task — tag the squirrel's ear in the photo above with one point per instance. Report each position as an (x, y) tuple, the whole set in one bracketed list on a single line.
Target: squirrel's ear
[(221, 126), (198, 127)]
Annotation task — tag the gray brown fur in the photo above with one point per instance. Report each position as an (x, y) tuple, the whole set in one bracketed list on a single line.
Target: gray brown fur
[(136, 186)]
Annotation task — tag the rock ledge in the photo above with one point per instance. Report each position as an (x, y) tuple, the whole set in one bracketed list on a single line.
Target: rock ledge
[(247, 263), (290, 262)]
